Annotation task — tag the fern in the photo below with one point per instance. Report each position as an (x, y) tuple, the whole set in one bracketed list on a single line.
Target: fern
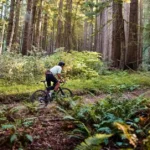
[(126, 129), (83, 129), (93, 142)]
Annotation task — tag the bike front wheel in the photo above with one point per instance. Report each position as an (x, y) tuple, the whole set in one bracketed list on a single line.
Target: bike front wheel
[(64, 93)]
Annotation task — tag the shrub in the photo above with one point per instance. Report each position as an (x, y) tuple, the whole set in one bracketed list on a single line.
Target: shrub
[(21, 69), (16, 68)]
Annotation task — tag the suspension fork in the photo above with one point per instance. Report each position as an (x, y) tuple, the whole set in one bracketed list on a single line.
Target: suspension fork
[(61, 91)]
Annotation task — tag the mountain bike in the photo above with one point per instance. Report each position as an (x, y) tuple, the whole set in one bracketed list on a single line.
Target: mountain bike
[(43, 97)]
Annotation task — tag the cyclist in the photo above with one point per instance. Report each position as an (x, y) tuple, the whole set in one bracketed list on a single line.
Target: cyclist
[(52, 75)]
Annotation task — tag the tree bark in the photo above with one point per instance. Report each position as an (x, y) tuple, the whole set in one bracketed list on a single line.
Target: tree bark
[(27, 28), (59, 34), (44, 39), (68, 27), (85, 35), (34, 17), (15, 40), (118, 36), (91, 37), (96, 33), (74, 36), (38, 25), (122, 39), (140, 33), (116, 44), (132, 53), (10, 23), (2, 38)]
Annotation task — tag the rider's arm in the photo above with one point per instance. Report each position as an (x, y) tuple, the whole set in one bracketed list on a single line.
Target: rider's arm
[(60, 77)]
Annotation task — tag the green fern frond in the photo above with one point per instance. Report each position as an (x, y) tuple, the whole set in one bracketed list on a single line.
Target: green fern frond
[(126, 129), (93, 142)]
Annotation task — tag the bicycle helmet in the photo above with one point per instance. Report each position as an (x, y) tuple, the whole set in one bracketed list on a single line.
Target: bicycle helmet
[(61, 63)]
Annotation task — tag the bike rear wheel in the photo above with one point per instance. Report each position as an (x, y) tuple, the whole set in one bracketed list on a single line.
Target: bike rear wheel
[(40, 97)]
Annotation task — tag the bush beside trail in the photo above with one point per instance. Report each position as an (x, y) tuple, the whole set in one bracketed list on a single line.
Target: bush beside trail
[(26, 69)]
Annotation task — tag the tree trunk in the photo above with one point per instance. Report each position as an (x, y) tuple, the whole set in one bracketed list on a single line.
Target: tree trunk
[(117, 28), (52, 40), (118, 36), (68, 28), (99, 26), (104, 36), (85, 35), (10, 23), (122, 39), (2, 8), (2, 38), (59, 34), (27, 28), (91, 37), (96, 33), (15, 40), (38, 25), (33, 28), (140, 33), (74, 36), (44, 39), (132, 58)]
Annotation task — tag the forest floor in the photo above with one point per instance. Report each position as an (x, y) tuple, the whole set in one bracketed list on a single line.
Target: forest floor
[(51, 132)]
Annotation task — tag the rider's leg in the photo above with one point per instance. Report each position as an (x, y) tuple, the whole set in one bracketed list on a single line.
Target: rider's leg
[(48, 79), (55, 88), (57, 85)]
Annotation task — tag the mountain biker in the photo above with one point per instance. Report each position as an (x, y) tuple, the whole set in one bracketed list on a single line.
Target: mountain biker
[(52, 75)]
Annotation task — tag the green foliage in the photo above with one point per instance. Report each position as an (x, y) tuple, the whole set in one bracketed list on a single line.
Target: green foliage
[(8, 126), (18, 132), (91, 8), (15, 130), (32, 107), (93, 142), (22, 69), (85, 64), (82, 129), (115, 82), (111, 116), (147, 142), (16, 68), (85, 71), (13, 138), (29, 137)]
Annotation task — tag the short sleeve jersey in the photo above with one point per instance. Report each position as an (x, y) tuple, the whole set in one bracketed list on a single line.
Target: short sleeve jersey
[(56, 70)]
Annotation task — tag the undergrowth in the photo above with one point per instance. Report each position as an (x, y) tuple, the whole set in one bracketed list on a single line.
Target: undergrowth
[(116, 121), (113, 83), (28, 69), (112, 120), (84, 72)]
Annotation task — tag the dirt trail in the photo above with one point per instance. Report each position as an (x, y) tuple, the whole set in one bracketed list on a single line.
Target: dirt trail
[(126, 95)]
